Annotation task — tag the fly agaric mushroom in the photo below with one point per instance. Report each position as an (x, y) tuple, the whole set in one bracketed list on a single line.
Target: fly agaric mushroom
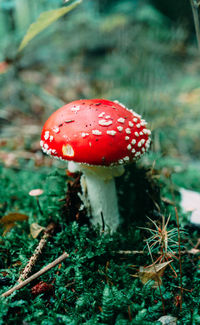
[(96, 137)]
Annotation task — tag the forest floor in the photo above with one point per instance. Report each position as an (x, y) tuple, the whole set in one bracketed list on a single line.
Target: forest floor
[(107, 279)]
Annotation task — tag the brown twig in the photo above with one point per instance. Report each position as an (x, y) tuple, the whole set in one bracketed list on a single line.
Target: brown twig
[(128, 252), (195, 13), (47, 233), (162, 299), (36, 275), (180, 261)]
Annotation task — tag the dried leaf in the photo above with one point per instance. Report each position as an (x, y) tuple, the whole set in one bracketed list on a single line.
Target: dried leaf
[(7, 228), (12, 217), (44, 20), (42, 287), (153, 273), (8, 221), (35, 229), (4, 67)]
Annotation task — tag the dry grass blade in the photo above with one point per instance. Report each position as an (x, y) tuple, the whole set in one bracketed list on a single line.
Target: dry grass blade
[(162, 299)]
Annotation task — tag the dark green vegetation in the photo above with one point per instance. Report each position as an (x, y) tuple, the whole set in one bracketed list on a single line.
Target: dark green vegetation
[(123, 50)]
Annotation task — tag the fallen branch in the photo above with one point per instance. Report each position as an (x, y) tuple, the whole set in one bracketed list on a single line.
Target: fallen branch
[(36, 275), (47, 233)]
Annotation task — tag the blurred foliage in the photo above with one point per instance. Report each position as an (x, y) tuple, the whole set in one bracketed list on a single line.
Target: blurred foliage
[(120, 49), (45, 20), (125, 50)]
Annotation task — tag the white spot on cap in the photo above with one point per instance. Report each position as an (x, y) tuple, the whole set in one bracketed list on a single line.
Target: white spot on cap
[(127, 138), (111, 132), (130, 124), (143, 149), (135, 119), (120, 128), (46, 146), (126, 158), (141, 142), (141, 133), (146, 131), (137, 154), (133, 150), (67, 150), (122, 105), (136, 134), (75, 109), (138, 125), (143, 122), (56, 129), (96, 132), (137, 115), (128, 131), (46, 135), (51, 138), (133, 141), (120, 161), (121, 120), (105, 123), (117, 102), (83, 134), (102, 114), (107, 116), (54, 151), (129, 147), (41, 143)]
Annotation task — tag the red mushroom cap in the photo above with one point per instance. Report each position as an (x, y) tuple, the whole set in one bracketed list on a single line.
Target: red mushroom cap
[(95, 132)]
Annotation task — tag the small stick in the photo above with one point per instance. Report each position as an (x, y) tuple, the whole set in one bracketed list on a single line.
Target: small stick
[(180, 261), (163, 305), (191, 251), (36, 275), (47, 233)]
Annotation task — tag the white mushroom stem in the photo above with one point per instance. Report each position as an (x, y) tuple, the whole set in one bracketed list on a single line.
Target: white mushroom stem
[(99, 193)]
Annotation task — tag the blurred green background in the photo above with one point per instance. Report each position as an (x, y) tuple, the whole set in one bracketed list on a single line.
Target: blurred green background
[(142, 53)]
